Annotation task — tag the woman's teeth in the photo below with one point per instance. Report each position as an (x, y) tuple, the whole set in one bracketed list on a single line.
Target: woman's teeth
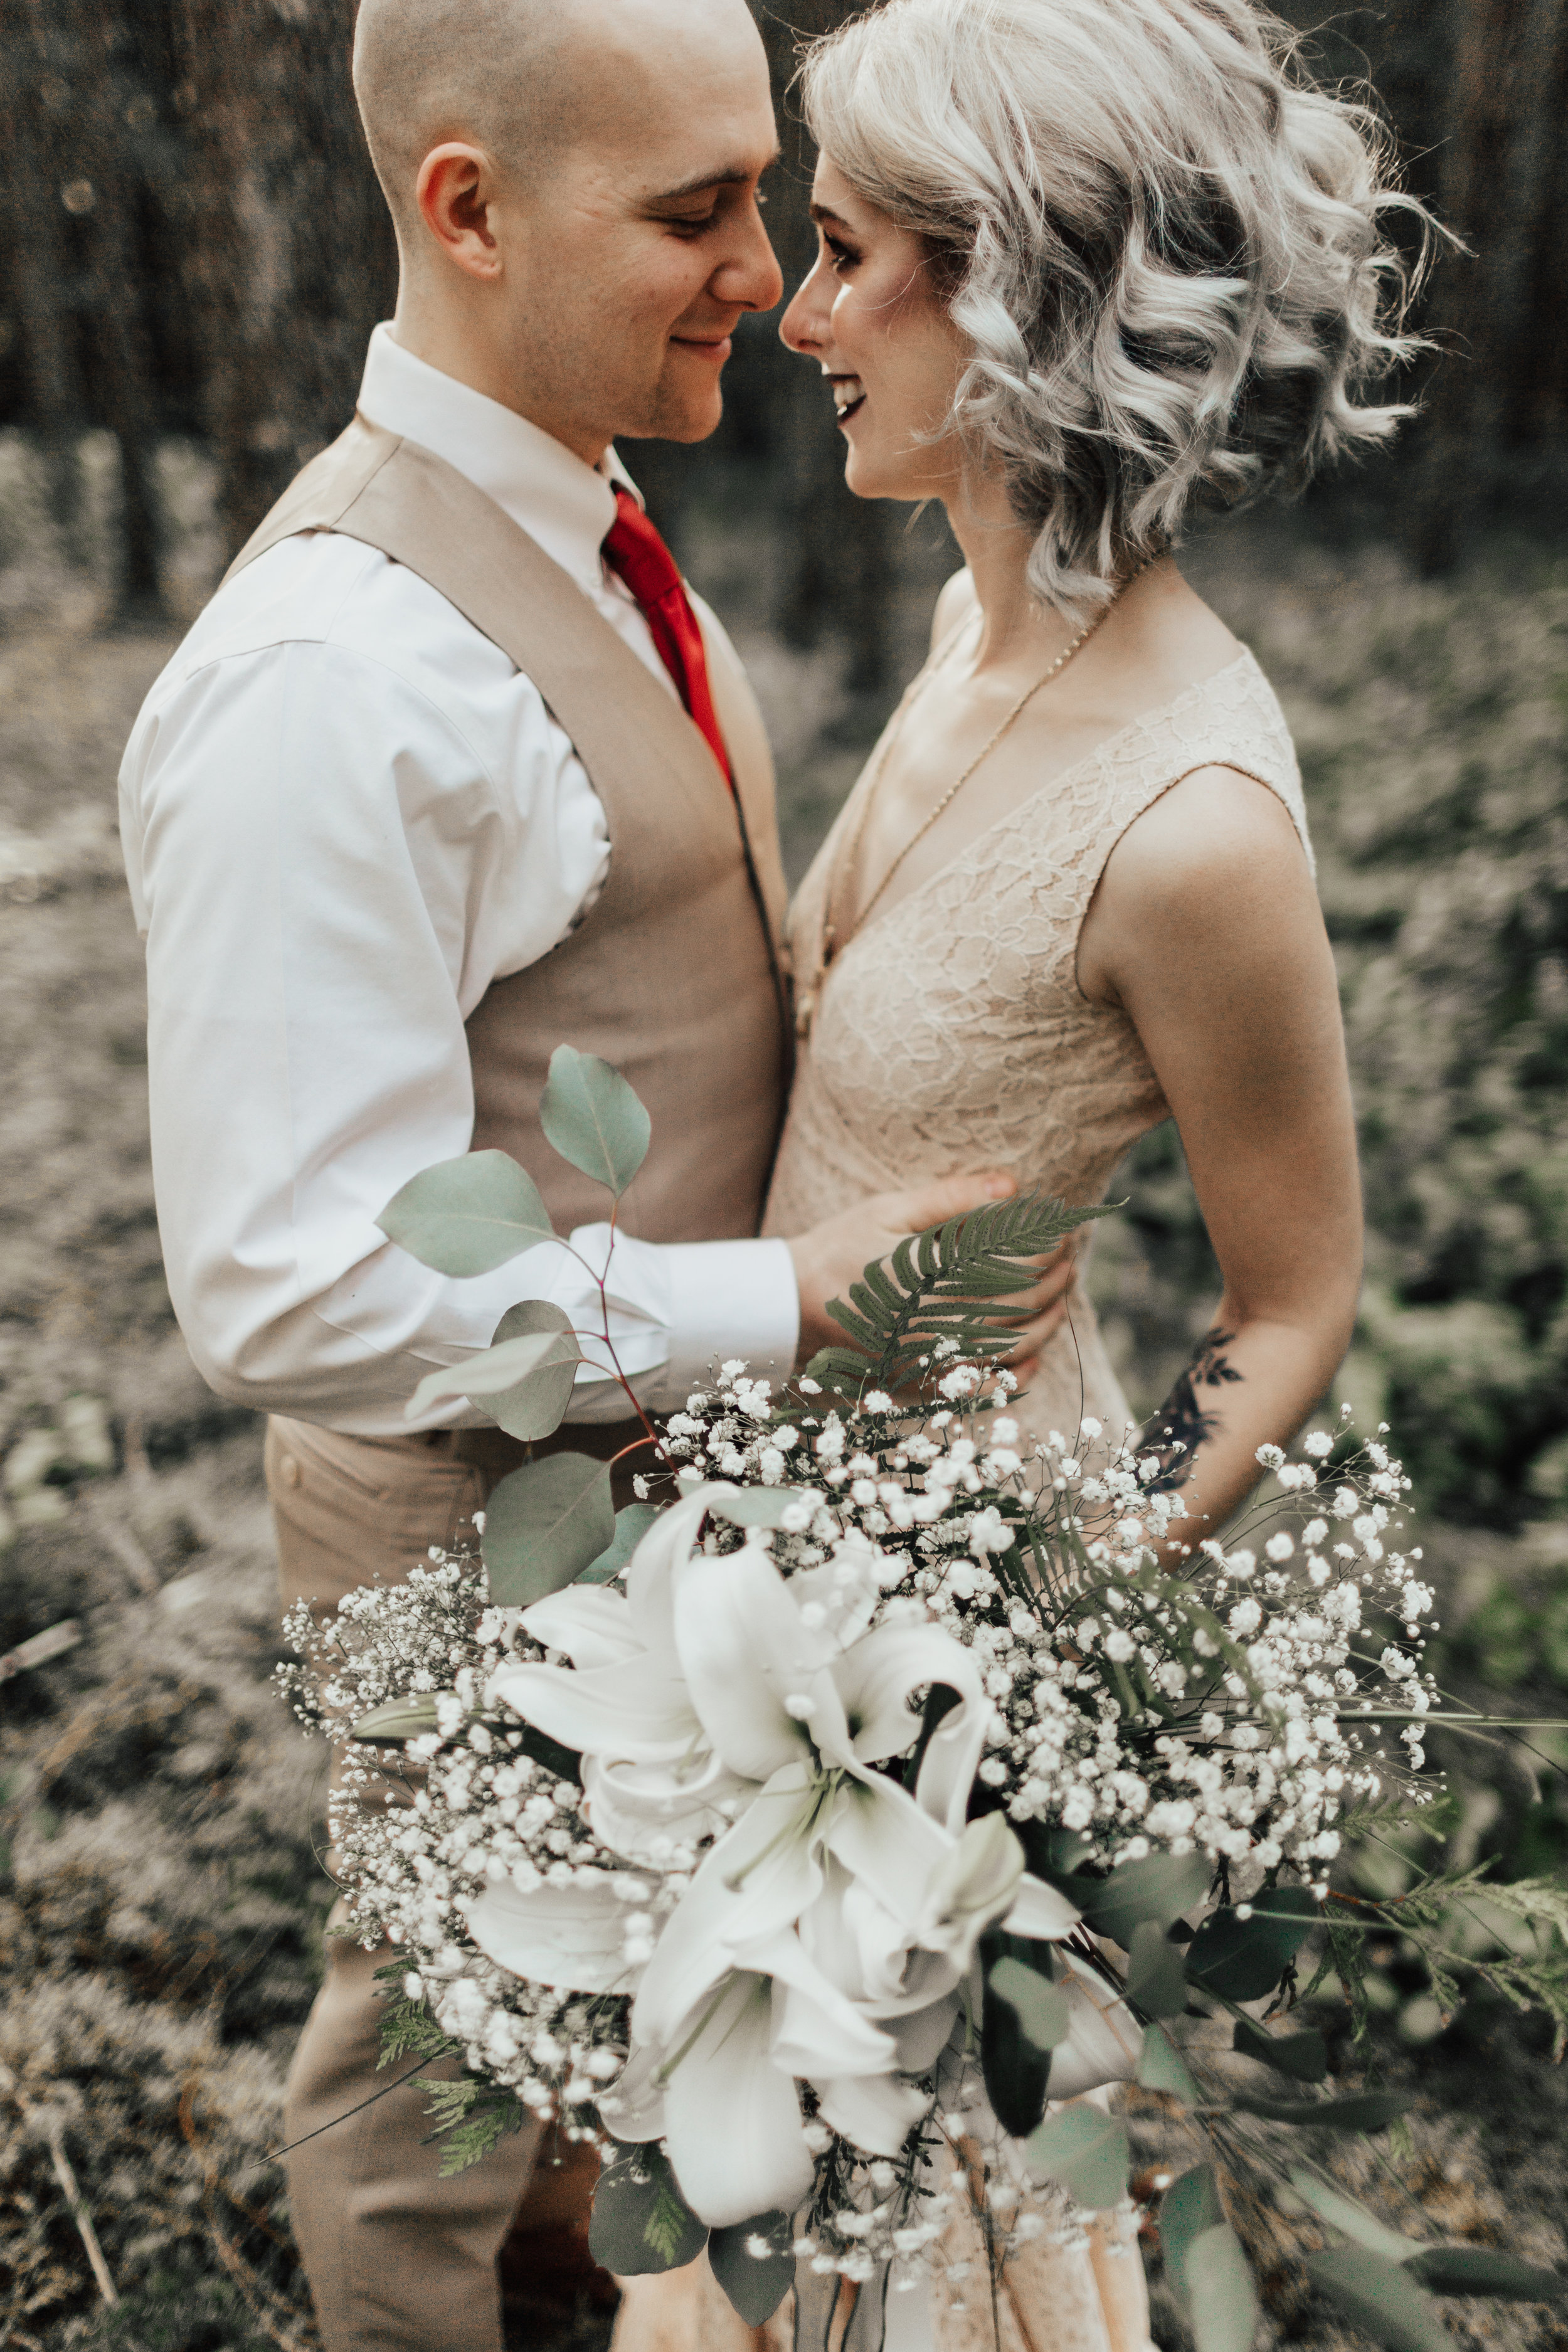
[(848, 392)]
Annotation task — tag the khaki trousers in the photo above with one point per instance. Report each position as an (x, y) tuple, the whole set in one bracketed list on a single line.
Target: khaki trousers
[(399, 2260)]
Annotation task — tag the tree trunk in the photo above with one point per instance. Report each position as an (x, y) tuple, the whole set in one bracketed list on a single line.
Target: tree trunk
[(292, 259)]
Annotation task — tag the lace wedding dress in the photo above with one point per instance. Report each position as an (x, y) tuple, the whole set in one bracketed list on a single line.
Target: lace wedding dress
[(951, 1035)]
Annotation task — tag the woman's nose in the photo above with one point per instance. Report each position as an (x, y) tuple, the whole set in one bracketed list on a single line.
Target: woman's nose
[(804, 327)]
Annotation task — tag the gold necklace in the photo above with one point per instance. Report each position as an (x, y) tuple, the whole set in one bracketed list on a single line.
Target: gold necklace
[(829, 944)]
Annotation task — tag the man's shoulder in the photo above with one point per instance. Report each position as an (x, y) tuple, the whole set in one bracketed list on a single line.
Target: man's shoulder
[(323, 588)]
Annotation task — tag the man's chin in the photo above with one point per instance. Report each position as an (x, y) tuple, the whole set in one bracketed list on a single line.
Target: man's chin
[(678, 416)]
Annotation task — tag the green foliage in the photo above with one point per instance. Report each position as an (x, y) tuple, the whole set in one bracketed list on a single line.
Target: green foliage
[(754, 1506), (1483, 2270), (1352, 2220), (1085, 2150), (1156, 1980), (1238, 1959), (950, 1283), (468, 1216), (756, 2284), (1361, 2111), (545, 1524), (1160, 1888), (1381, 2296), (641, 2223), (399, 1719), (471, 2117), (523, 1382), (1024, 2015), (1304, 2056), (1162, 2067), (536, 1404), (407, 2028), (1190, 2208), (592, 1118), (631, 1526), (1222, 2301)]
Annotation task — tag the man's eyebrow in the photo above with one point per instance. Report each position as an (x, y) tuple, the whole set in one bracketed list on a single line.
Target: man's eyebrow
[(732, 175)]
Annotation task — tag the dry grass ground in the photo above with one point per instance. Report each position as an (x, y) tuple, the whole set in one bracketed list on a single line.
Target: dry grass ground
[(160, 1903)]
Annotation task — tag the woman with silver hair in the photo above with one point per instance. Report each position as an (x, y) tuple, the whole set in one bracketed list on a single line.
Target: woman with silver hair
[(1085, 268)]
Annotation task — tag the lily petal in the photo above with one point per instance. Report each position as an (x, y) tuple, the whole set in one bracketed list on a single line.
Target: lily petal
[(632, 1806), (753, 1884), (885, 1838), (572, 1936), (1039, 1910), (591, 1625), (733, 2120), (875, 1678), (633, 2108), (876, 2112), (630, 1710), (649, 1579), (745, 1650), (1104, 2040)]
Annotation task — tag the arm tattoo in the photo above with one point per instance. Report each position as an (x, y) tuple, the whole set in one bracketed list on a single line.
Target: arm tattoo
[(1184, 1425)]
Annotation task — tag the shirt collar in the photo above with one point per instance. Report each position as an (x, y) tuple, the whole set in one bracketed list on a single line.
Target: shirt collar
[(563, 503)]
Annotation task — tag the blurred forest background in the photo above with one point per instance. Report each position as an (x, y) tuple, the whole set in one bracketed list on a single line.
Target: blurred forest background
[(194, 253)]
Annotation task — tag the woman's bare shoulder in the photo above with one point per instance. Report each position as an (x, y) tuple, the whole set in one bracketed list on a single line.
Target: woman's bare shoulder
[(1218, 852), (955, 604)]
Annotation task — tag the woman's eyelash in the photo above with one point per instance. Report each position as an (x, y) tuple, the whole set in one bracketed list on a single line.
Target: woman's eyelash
[(839, 250)]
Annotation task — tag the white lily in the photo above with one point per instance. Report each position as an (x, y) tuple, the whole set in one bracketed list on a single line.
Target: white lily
[(827, 1934)]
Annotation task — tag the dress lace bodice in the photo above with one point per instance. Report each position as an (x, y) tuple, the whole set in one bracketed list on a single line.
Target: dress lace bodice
[(951, 1035)]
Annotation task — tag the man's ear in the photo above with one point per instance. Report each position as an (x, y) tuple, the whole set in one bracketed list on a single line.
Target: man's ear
[(455, 190)]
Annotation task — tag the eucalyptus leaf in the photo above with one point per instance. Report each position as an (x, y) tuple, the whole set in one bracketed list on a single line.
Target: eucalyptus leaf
[(1189, 2209), (754, 1506), (1242, 1959), (1159, 1888), (544, 1525), (396, 1719), (1162, 2067), (1342, 2213), (1361, 2111), (1015, 2065), (1085, 2151), (756, 2283), (1156, 1979), (1483, 2270), (631, 1526), (592, 1118), (1303, 2056), (497, 1377), (1042, 2008), (468, 1216), (1222, 2301), (536, 1406), (1382, 2297), (640, 2222)]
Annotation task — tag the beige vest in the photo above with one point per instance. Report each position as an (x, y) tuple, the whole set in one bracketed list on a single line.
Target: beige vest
[(675, 976)]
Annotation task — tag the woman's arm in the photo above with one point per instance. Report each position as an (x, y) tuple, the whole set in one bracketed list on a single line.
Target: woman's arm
[(1207, 929)]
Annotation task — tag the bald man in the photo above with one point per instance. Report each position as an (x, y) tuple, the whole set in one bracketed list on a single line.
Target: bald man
[(452, 771)]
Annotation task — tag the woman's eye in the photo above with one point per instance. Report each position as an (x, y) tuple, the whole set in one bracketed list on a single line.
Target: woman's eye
[(843, 256)]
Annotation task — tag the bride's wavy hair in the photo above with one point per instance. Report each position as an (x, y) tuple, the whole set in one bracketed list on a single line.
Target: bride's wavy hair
[(1161, 243)]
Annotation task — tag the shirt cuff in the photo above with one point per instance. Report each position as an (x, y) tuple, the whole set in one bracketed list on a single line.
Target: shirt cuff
[(730, 1299)]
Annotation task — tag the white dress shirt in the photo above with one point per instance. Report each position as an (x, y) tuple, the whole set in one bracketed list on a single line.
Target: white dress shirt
[(346, 813)]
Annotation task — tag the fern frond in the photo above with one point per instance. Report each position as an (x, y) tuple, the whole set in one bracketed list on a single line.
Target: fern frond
[(940, 1285)]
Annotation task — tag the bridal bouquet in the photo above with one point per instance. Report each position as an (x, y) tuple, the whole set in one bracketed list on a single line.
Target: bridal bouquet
[(808, 1832)]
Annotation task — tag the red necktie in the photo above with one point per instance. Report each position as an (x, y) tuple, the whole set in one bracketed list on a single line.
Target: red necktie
[(636, 551)]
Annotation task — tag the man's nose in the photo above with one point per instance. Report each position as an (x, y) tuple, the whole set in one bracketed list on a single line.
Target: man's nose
[(750, 275)]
